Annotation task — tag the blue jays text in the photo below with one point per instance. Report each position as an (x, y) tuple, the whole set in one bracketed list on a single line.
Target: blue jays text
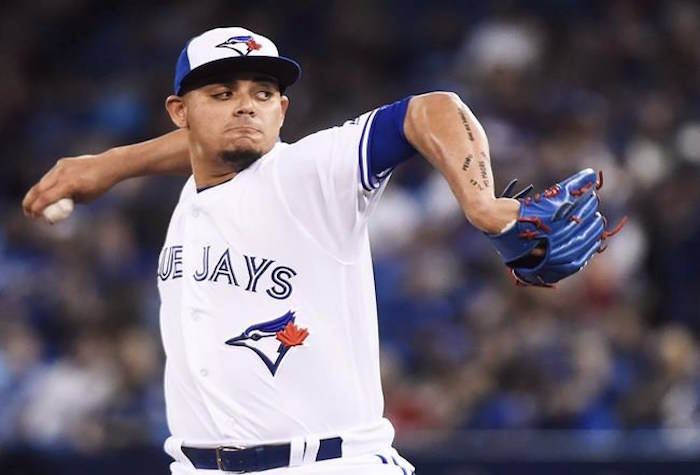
[(277, 278)]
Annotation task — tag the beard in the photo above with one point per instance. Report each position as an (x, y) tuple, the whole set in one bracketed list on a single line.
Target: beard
[(240, 159)]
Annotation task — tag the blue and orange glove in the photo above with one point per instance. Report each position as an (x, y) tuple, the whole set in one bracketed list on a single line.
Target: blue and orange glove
[(557, 232)]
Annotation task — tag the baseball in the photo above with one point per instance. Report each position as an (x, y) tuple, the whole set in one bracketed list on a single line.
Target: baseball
[(58, 211)]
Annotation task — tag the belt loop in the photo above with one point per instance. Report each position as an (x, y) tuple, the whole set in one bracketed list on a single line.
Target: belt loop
[(312, 445), (297, 447), (173, 447), (219, 462)]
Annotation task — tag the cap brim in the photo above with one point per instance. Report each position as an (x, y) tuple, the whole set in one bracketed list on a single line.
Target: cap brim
[(286, 71)]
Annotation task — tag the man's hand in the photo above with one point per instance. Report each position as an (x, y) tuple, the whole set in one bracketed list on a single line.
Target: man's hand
[(557, 232), (82, 179)]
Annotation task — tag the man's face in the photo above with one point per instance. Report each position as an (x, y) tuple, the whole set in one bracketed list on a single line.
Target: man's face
[(240, 117)]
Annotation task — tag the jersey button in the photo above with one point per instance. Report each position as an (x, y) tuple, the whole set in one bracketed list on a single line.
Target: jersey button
[(204, 372), (195, 315), (195, 212)]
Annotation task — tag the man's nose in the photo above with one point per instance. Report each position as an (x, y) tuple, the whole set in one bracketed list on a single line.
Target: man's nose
[(244, 106)]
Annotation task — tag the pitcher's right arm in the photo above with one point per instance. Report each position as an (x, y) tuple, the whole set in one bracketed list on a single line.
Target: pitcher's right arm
[(87, 177)]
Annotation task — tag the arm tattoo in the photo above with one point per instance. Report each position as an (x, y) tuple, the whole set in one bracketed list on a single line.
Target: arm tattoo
[(467, 162), (476, 184), (465, 122), (484, 174)]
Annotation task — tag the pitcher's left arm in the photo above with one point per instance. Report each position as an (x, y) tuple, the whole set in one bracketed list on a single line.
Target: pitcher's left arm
[(443, 129)]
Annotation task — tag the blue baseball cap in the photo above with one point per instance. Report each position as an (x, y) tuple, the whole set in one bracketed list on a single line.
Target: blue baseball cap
[(233, 49)]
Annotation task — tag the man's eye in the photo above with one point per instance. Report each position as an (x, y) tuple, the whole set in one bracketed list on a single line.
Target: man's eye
[(264, 95), (222, 95)]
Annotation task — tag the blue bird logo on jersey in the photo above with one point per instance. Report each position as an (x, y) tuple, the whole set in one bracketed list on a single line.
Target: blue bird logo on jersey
[(258, 338), (236, 42)]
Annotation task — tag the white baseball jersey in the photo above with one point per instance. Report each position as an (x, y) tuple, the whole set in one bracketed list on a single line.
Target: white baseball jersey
[(268, 312)]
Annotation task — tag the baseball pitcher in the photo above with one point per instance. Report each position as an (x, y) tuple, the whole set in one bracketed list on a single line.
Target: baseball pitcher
[(268, 313)]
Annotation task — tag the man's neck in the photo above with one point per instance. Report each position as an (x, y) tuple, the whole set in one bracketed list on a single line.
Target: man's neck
[(211, 181), (206, 176), (208, 169)]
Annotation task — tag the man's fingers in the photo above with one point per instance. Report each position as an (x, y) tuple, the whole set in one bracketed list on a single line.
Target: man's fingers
[(45, 183), (28, 200), (36, 200), (46, 198), (538, 252), (33, 203)]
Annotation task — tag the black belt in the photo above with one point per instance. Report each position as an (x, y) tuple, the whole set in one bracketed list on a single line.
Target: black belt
[(255, 459)]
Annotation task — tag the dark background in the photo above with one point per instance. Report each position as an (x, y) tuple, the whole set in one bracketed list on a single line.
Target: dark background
[(480, 377)]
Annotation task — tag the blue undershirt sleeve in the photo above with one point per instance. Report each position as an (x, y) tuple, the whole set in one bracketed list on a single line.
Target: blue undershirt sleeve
[(386, 144)]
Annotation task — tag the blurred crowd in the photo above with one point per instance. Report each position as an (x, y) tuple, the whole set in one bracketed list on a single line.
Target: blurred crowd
[(558, 85)]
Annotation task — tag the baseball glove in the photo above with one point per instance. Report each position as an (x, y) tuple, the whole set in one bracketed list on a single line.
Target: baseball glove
[(557, 232)]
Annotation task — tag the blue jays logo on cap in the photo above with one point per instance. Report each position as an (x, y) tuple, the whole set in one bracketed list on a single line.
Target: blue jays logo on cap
[(247, 40), (256, 337), (231, 50)]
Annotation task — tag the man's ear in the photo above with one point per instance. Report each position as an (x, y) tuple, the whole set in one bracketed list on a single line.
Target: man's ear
[(284, 104), (177, 110)]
